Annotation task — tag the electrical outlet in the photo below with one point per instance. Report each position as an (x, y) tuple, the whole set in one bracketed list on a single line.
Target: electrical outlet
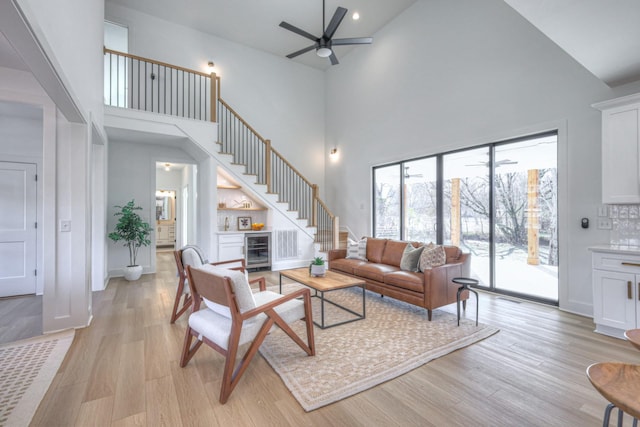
[(603, 210), (604, 224)]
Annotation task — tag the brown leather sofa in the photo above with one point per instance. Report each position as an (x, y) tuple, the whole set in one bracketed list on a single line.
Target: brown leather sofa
[(429, 289)]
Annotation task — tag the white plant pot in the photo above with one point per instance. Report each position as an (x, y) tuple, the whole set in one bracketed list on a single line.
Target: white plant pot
[(132, 272), (318, 270)]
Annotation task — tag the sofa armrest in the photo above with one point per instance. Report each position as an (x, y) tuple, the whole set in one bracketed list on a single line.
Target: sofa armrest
[(337, 254), (438, 287)]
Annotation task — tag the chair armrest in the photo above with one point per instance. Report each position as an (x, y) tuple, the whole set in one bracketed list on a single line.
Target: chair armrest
[(272, 304), (232, 261), (261, 281), (337, 254)]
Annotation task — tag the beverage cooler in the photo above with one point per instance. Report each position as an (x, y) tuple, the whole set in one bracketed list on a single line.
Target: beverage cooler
[(258, 247)]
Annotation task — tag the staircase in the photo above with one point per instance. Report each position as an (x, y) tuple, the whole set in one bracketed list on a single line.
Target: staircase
[(152, 86)]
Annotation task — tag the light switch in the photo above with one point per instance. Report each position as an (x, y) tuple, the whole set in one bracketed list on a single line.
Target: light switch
[(603, 210), (65, 225)]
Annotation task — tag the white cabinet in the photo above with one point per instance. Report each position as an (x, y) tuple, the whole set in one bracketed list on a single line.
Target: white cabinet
[(616, 292), (165, 234), (230, 246), (620, 149)]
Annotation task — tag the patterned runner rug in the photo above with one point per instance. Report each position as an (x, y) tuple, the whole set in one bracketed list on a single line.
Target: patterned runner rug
[(393, 339), (27, 368)]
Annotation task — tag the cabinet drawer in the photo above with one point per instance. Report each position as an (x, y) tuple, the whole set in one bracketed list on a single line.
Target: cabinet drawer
[(231, 238), (616, 262)]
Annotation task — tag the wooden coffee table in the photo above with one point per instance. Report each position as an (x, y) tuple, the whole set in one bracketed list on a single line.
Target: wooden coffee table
[(330, 282)]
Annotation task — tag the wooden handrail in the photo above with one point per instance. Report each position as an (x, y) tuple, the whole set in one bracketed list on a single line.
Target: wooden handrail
[(291, 166), (163, 64), (228, 107)]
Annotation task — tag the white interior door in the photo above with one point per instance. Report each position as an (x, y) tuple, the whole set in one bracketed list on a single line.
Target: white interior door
[(17, 229)]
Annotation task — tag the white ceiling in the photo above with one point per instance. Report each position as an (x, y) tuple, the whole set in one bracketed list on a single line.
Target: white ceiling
[(255, 23), (602, 35)]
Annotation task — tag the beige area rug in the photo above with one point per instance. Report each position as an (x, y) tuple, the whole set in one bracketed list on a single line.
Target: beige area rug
[(393, 339), (27, 368)]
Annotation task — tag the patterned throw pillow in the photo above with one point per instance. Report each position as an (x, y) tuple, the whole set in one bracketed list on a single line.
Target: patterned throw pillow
[(410, 258), (357, 250), (432, 256)]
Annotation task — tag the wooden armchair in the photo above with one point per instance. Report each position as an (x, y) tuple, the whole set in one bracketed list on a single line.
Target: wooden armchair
[(235, 315), (190, 255)]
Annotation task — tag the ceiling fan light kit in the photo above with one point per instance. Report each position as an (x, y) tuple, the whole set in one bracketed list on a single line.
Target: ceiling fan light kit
[(323, 44)]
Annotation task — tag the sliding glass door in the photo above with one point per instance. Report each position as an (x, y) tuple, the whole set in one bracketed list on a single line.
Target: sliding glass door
[(467, 207), (498, 202)]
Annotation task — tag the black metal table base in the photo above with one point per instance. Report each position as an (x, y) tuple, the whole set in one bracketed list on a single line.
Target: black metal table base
[(320, 295), (464, 283)]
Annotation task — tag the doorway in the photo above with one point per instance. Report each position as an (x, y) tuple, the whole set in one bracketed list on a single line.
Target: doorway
[(18, 258)]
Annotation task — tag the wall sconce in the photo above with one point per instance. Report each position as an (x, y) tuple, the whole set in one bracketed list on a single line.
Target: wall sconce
[(210, 66), (333, 154)]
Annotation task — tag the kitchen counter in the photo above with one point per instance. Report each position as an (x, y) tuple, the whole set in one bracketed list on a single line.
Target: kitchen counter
[(616, 249)]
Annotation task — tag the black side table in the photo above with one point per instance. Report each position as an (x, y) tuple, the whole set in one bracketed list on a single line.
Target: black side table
[(464, 283)]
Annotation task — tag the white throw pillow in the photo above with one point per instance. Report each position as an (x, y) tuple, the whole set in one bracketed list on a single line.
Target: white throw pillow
[(357, 250), (241, 289)]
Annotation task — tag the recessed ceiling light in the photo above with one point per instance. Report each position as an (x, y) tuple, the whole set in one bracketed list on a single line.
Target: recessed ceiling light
[(355, 16)]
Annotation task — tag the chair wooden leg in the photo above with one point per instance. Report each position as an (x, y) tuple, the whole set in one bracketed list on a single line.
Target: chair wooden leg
[(177, 312), (230, 376), (187, 349)]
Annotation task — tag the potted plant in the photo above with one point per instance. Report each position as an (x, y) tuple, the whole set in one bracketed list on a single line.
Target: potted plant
[(135, 233), (317, 268)]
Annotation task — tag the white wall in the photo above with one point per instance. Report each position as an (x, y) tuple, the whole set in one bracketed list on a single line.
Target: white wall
[(446, 75), (132, 175), (282, 100), (73, 31)]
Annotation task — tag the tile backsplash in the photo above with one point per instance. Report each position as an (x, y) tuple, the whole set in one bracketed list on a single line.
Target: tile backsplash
[(625, 224)]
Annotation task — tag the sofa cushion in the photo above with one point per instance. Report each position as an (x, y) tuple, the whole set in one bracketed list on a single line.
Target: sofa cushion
[(345, 265), (393, 251), (432, 256), (375, 249), (373, 271), (357, 250), (410, 257), (405, 280), (453, 253)]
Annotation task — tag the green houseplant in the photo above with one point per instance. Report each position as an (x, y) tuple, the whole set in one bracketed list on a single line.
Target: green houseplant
[(317, 267), (134, 232)]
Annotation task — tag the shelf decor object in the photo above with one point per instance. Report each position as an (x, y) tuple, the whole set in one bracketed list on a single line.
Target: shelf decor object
[(244, 223)]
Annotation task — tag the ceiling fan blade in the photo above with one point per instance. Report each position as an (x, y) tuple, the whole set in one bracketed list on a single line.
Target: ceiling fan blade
[(301, 51), (335, 21), (334, 58), (355, 40), (298, 31)]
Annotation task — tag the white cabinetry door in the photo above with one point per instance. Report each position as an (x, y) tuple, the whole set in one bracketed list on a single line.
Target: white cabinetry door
[(230, 246), (614, 301), (621, 149)]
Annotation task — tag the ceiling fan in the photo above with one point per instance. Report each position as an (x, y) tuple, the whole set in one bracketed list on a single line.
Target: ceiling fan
[(323, 44), (407, 175)]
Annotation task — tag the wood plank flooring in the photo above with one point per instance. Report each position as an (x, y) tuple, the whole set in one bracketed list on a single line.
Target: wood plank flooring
[(20, 318), (123, 371)]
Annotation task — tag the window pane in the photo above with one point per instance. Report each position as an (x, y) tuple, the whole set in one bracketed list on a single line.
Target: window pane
[(420, 212), (386, 187), (526, 238), (466, 207)]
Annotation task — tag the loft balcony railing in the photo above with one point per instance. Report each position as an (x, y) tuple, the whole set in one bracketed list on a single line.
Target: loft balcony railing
[(144, 84)]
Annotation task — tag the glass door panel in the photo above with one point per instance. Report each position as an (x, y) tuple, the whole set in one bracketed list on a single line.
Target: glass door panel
[(387, 198), (466, 207), (420, 195), (526, 233)]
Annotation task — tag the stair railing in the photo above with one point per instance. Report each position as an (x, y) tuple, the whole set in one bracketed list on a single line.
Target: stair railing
[(249, 148), (145, 84)]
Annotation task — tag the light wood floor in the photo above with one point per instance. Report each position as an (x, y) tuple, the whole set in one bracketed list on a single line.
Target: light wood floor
[(123, 370), (20, 318)]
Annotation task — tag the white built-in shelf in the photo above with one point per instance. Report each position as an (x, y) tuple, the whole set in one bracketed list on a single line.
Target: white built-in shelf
[(229, 187), (242, 209)]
